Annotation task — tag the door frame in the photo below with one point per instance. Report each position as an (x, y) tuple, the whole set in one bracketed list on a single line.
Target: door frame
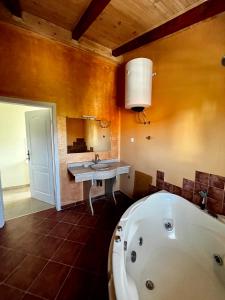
[(54, 138)]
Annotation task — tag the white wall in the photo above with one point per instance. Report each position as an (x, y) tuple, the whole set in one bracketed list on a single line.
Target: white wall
[(13, 164)]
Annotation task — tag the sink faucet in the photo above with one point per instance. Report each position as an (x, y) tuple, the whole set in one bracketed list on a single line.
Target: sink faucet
[(97, 159)]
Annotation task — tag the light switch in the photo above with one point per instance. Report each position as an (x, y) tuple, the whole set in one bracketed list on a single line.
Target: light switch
[(132, 140)]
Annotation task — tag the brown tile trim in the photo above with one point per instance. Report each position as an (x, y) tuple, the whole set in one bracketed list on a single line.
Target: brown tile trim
[(200, 187), (216, 194), (224, 206), (214, 205), (216, 181), (214, 185), (187, 195), (188, 185), (202, 177), (153, 189), (160, 184), (177, 190), (168, 187), (197, 199), (160, 175)]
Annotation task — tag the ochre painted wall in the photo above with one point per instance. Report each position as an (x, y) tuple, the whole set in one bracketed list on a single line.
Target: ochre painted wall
[(188, 107), (36, 68)]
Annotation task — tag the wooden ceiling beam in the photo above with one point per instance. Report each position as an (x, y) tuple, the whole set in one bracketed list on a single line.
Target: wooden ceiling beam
[(14, 7), (92, 12), (201, 12)]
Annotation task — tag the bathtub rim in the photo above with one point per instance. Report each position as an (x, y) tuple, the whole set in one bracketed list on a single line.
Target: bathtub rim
[(123, 220)]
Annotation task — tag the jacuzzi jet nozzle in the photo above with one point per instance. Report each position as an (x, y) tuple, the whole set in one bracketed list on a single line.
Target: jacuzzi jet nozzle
[(149, 285), (133, 256), (140, 241), (218, 259)]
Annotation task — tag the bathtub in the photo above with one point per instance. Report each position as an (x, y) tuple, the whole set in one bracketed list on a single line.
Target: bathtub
[(163, 248)]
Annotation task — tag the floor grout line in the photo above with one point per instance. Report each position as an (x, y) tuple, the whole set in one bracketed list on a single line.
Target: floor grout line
[(13, 271), (63, 282), (32, 294), (23, 291), (38, 275)]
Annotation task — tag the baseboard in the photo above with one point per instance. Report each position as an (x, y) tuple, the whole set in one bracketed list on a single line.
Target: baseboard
[(15, 187)]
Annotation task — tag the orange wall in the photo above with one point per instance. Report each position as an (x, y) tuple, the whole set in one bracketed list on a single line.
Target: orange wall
[(37, 68), (188, 107)]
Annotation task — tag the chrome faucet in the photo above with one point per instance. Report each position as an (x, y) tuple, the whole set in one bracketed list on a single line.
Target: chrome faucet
[(97, 159), (203, 204)]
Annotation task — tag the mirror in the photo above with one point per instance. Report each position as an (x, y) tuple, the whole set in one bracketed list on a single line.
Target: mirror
[(87, 135)]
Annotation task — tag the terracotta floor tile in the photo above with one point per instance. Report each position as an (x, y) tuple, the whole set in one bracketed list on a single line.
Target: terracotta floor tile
[(26, 272), (44, 213), (11, 239), (46, 246), (72, 217), (57, 236), (92, 259), (81, 208), (9, 260), (50, 280), (83, 288), (80, 234), (67, 253), (31, 297), (28, 242), (57, 215), (88, 220), (100, 239), (45, 226), (99, 205), (61, 230), (24, 222), (9, 293)]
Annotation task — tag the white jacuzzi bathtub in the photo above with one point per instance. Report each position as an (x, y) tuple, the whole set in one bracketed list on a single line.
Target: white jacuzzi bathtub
[(179, 261)]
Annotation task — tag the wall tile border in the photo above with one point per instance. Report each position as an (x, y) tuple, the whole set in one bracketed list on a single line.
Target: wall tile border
[(214, 185)]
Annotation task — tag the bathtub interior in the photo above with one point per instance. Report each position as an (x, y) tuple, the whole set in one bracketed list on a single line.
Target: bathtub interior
[(178, 262)]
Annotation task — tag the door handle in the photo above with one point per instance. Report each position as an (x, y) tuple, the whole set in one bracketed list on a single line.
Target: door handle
[(28, 155)]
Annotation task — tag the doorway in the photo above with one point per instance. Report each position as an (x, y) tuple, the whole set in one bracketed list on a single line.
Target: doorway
[(28, 157)]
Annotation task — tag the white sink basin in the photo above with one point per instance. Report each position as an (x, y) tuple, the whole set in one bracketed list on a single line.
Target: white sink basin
[(100, 167)]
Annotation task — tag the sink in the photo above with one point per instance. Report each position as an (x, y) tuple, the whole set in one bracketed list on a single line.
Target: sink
[(100, 167)]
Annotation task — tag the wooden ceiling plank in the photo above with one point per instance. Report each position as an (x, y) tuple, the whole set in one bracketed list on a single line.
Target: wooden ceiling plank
[(89, 16), (14, 7), (199, 13)]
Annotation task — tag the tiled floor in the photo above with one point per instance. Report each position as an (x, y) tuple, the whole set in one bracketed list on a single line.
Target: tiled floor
[(18, 202), (59, 255)]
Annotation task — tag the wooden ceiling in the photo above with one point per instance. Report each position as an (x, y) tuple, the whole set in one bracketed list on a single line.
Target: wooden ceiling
[(104, 23), (64, 13), (121, 21)]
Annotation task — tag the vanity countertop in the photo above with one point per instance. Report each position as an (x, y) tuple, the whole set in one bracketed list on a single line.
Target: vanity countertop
[(82, 171)]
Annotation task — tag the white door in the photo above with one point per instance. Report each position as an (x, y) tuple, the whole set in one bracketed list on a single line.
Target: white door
[(39, 145), (2, 221)]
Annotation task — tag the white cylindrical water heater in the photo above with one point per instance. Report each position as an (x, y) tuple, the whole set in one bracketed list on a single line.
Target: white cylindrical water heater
[(138, 84)]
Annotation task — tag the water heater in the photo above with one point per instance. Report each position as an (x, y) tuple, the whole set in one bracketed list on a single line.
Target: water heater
[(138, 84)]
